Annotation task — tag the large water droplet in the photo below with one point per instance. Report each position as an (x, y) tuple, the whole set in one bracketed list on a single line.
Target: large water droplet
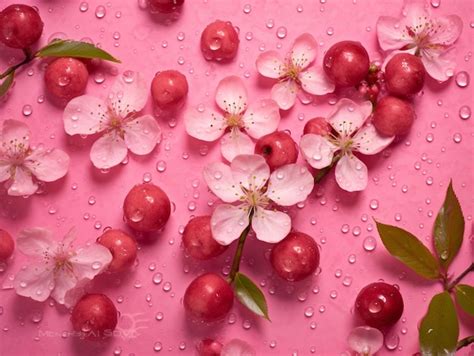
[(462, 79)]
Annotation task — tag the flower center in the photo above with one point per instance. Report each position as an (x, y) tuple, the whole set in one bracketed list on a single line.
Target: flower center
[(421, 34), (291, 71), (255, 198), (234, 120), (16, 151)]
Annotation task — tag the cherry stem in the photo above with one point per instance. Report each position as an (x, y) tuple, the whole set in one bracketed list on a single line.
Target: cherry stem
[(464, 342), (28, 58), (240, 249), (324, 171), (460, 277)]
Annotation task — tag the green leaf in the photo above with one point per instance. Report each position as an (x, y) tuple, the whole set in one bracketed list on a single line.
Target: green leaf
[(465, 298), (76, 49), (449, 228), (439, 329), (408, 249), (6, 84), (250, 295)]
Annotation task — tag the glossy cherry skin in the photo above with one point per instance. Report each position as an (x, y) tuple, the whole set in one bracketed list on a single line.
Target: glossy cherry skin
[(94, 316), (20, 26), (404, 75), (393, 116), (66, 78), (169, 89), (317, 126), (346, 63), (146, 208), (278, 149), (208, 298), (6, 245), (296, 257), (379, 305), (165, 6), (219, 41), (209, 347), (122, 247), (198, 241)]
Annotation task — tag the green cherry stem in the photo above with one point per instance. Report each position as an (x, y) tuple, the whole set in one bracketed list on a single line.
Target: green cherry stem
[(464, 342), (324, 171), (460, 277), (28, 58), (240, 248)]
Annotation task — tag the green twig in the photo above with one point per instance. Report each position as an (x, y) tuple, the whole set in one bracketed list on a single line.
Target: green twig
[(464, 342), (240, 248), (460, 277), (28, 59), (324, 171)]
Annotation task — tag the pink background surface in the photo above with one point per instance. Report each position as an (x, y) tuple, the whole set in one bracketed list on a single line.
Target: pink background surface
[(140, 48)]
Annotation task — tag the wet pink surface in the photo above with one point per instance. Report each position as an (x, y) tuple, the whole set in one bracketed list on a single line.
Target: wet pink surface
[(31, 328)]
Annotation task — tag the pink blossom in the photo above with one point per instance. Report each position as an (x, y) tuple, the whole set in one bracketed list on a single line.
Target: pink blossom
[(21, 166), (365, 340), (117, 117), (258, 119), (55, 268), (350, 134), (417, 32), (293, 73), (248, 181)]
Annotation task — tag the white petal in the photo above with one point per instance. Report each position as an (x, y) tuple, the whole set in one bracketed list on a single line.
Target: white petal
[(231, 95), (108, 151), (351, 173), (369, 142), (35, 281), (349, 116), (90, 261), (128, 94), (228, 222), (22, 183), (36, 242), (206, 125), (218, 178), (236, 143), (290, 184), (317, 150), (271, 226), (250, 171), (261, 118)]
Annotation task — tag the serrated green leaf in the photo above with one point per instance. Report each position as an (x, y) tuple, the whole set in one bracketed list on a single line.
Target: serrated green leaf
[(449, 228), (409, 250), (439, 329), (465, 298), (75, 49), (6, 84), (250, 295)]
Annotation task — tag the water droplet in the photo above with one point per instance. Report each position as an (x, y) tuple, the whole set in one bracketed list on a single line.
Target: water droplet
[(83, 7), (330, 31), (91, 200), (391, 341), (309, 312), (281, 32), (157, 278), (161, 166), (246, 324), (167, 286), (159, 316), (465, 112), (247, 9), (347, 281), (299, 8), (457, 137), (429, 137), (375, 306), (96, 265), (192, 206), (100, 12), (180, 36), (147, 177), (37, 317), (462, 79), (356, 231), (435, 3), (369, 244), (27, 110), (374, 204), (249, 36), (333, 294), (429, 180), (345, 228), (157, 346), (270, 23), (351, 259)]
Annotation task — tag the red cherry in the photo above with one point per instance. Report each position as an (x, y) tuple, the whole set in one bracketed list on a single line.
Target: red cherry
[(278, 149), (165, 6), (295, 257), (209, 347), (198, 240), (219, 41), (346, 63), (20, 26), (146, 208), (379, 304), (317, 126), (404, 75), (66, 78), (122, 247), (6, 245), (169, 89), (208, 298), (393, 116), (94, 316)]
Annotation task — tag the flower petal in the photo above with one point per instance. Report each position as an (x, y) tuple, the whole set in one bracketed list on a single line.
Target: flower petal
[(284, 94), (64, 282), (207, 125), (218, 178), (270, 65), (22, 183), (290, 184), (365, 340), (261, 118), (90, 261), (448, 30), (250, 171), (108, 151), (368, 141), (142, 134), (48, 165), (304, 50), (349, 116), (391, 33), (317, 150), (228, 222), (236, 143), (315, 81), (85, 115), (270, 226), (231, 95), (15, 136), (128, 94), (351, 173), (439, 64), (5, 171), (35, 281), (36, 242)]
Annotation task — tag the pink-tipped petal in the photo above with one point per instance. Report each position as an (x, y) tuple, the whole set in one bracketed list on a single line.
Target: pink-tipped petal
[(206, 125), (142, 134), (369, 142), (5, 170), (391, 33), (14, 137), (349, 116), (261, 118), (290, 184), (35, 281), (415, 13), (64, 282), (108, 151), (315, 81), (228, 222), (270, 226), (351, 173), (85, 115), (285, 93), (317, 150), (90, 261), (448, 30), (48, 165), (250, 171), (231, 95), (365, 340), (236, 143), (36, 242), (304, 51), (128, 94), (22, 183), (439, 65), (270, 65), (218, 178)]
